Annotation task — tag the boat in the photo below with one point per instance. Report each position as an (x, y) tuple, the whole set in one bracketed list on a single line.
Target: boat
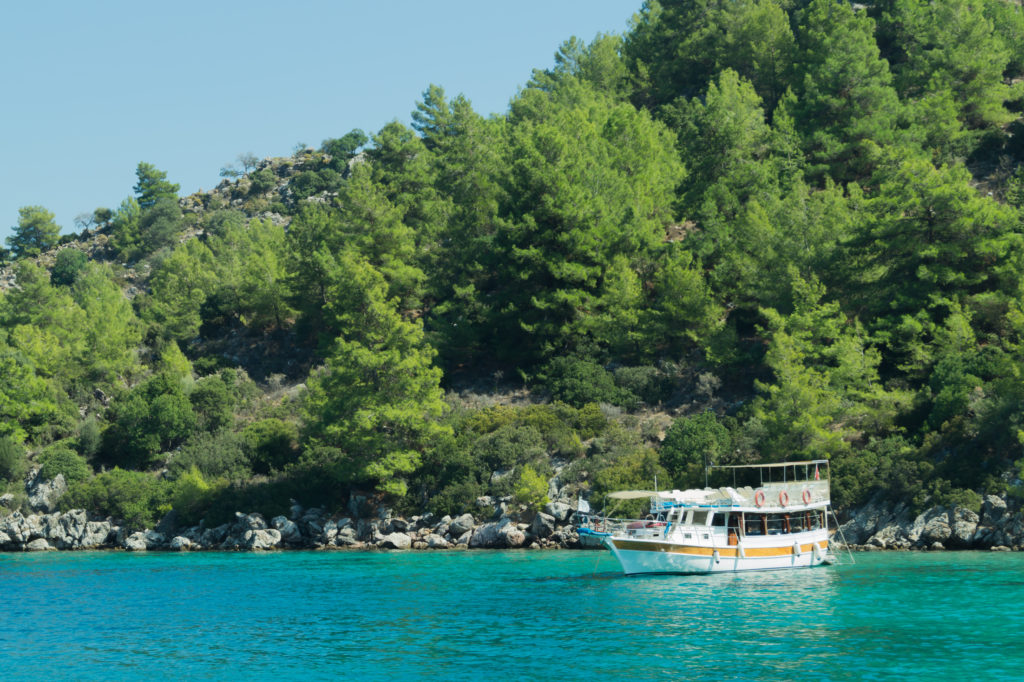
[(781, 523)]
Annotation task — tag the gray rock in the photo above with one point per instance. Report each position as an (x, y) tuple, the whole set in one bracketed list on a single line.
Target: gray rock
[(254, 522), (463, 540), (502, 533), (398, 525), (7, 500), (38, 545), (43, 495), (5, 540), (459, 526), (136, 542), (96, 534), (213, 537), (180, 543), (346, 537), (435, 541), (259, 539), (396, 541), (512, 536), (290, 533), (154, 539), (934, 525), (543, 525), (964, 523), (168, 524), (559, 510)]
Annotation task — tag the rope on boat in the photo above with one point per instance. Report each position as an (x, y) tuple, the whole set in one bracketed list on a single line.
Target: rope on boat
[(839, 529)]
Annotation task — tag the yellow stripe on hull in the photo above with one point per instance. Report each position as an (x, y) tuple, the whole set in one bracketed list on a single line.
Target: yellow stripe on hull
[(695, 550)]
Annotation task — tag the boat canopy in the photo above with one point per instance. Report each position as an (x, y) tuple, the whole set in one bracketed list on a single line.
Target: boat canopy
[(632, 494)]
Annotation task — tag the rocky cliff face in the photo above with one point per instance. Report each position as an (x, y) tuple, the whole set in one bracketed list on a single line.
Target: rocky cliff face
[(878, 525)]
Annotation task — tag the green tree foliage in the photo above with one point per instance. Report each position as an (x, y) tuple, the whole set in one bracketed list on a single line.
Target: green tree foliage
[(35, 232), (152, 186), (137, 498), (13, 464), (846, 106), (578, 201), (152, 418), (69, 263), (692, 443), (60, 458), (273, 444), (377, 399)]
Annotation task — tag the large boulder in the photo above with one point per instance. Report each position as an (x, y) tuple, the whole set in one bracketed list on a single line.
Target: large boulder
[(559, 510), (497, 534), (462, 524), (435, 541), (136, 542), (259, 539), (396, 541), (43, 495), (963, 524), (543, 525), (180, 543), (6, 542), (7, 500), (290, 533), (38, 545), (96, 534)]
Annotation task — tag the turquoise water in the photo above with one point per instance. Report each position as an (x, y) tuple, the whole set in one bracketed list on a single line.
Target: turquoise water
[(504, 615)]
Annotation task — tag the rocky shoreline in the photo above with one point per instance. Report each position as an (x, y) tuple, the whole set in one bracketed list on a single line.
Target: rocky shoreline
[(497, 524), (881, 526)]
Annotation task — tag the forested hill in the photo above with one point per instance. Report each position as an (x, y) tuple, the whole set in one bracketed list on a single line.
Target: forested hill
[(746, 229)]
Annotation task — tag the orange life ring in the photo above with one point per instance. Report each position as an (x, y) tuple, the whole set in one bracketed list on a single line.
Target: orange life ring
[(783, 498), (759, 498), (806, 496)]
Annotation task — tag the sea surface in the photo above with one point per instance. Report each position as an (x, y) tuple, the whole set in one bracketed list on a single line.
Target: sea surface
[(482, 615)]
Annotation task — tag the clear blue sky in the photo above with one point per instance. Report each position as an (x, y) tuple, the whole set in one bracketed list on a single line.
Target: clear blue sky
[(93, 88)]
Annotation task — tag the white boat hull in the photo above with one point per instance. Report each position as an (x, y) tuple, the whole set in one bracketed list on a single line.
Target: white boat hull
[(659, 556)]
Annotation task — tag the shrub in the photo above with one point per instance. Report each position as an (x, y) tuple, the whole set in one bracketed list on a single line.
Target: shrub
[(689, 442), (59, 458), (69, 263), (191, 495), (13, 464), (578, 382), (89, 437), (272, 444), (212, 403), (136, 498), (214, 455), (647, 383), (531, 489), (509, 446)]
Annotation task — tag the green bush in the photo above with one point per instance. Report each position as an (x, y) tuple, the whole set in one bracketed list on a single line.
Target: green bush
[(89, 437), (68, 264), (509, 446), (138, 499), (13, 464), (531, 489), (59, 458), (213, 403), (214, 455), (578, 382), (690, 443), (272, 444), (647, 383)]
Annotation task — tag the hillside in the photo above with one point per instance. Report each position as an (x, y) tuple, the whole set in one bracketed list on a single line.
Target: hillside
[(743, 231)]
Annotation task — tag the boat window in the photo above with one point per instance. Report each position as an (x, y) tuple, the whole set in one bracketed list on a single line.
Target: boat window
[(776, 524), (796, 523), (719, 519), (752, 524), (700, 518)]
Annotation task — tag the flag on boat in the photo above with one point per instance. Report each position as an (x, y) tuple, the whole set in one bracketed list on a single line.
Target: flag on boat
[(817, 476), (582, 506)]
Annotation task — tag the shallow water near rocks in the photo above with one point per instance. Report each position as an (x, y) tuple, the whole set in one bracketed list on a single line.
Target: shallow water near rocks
[(504, 615)]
